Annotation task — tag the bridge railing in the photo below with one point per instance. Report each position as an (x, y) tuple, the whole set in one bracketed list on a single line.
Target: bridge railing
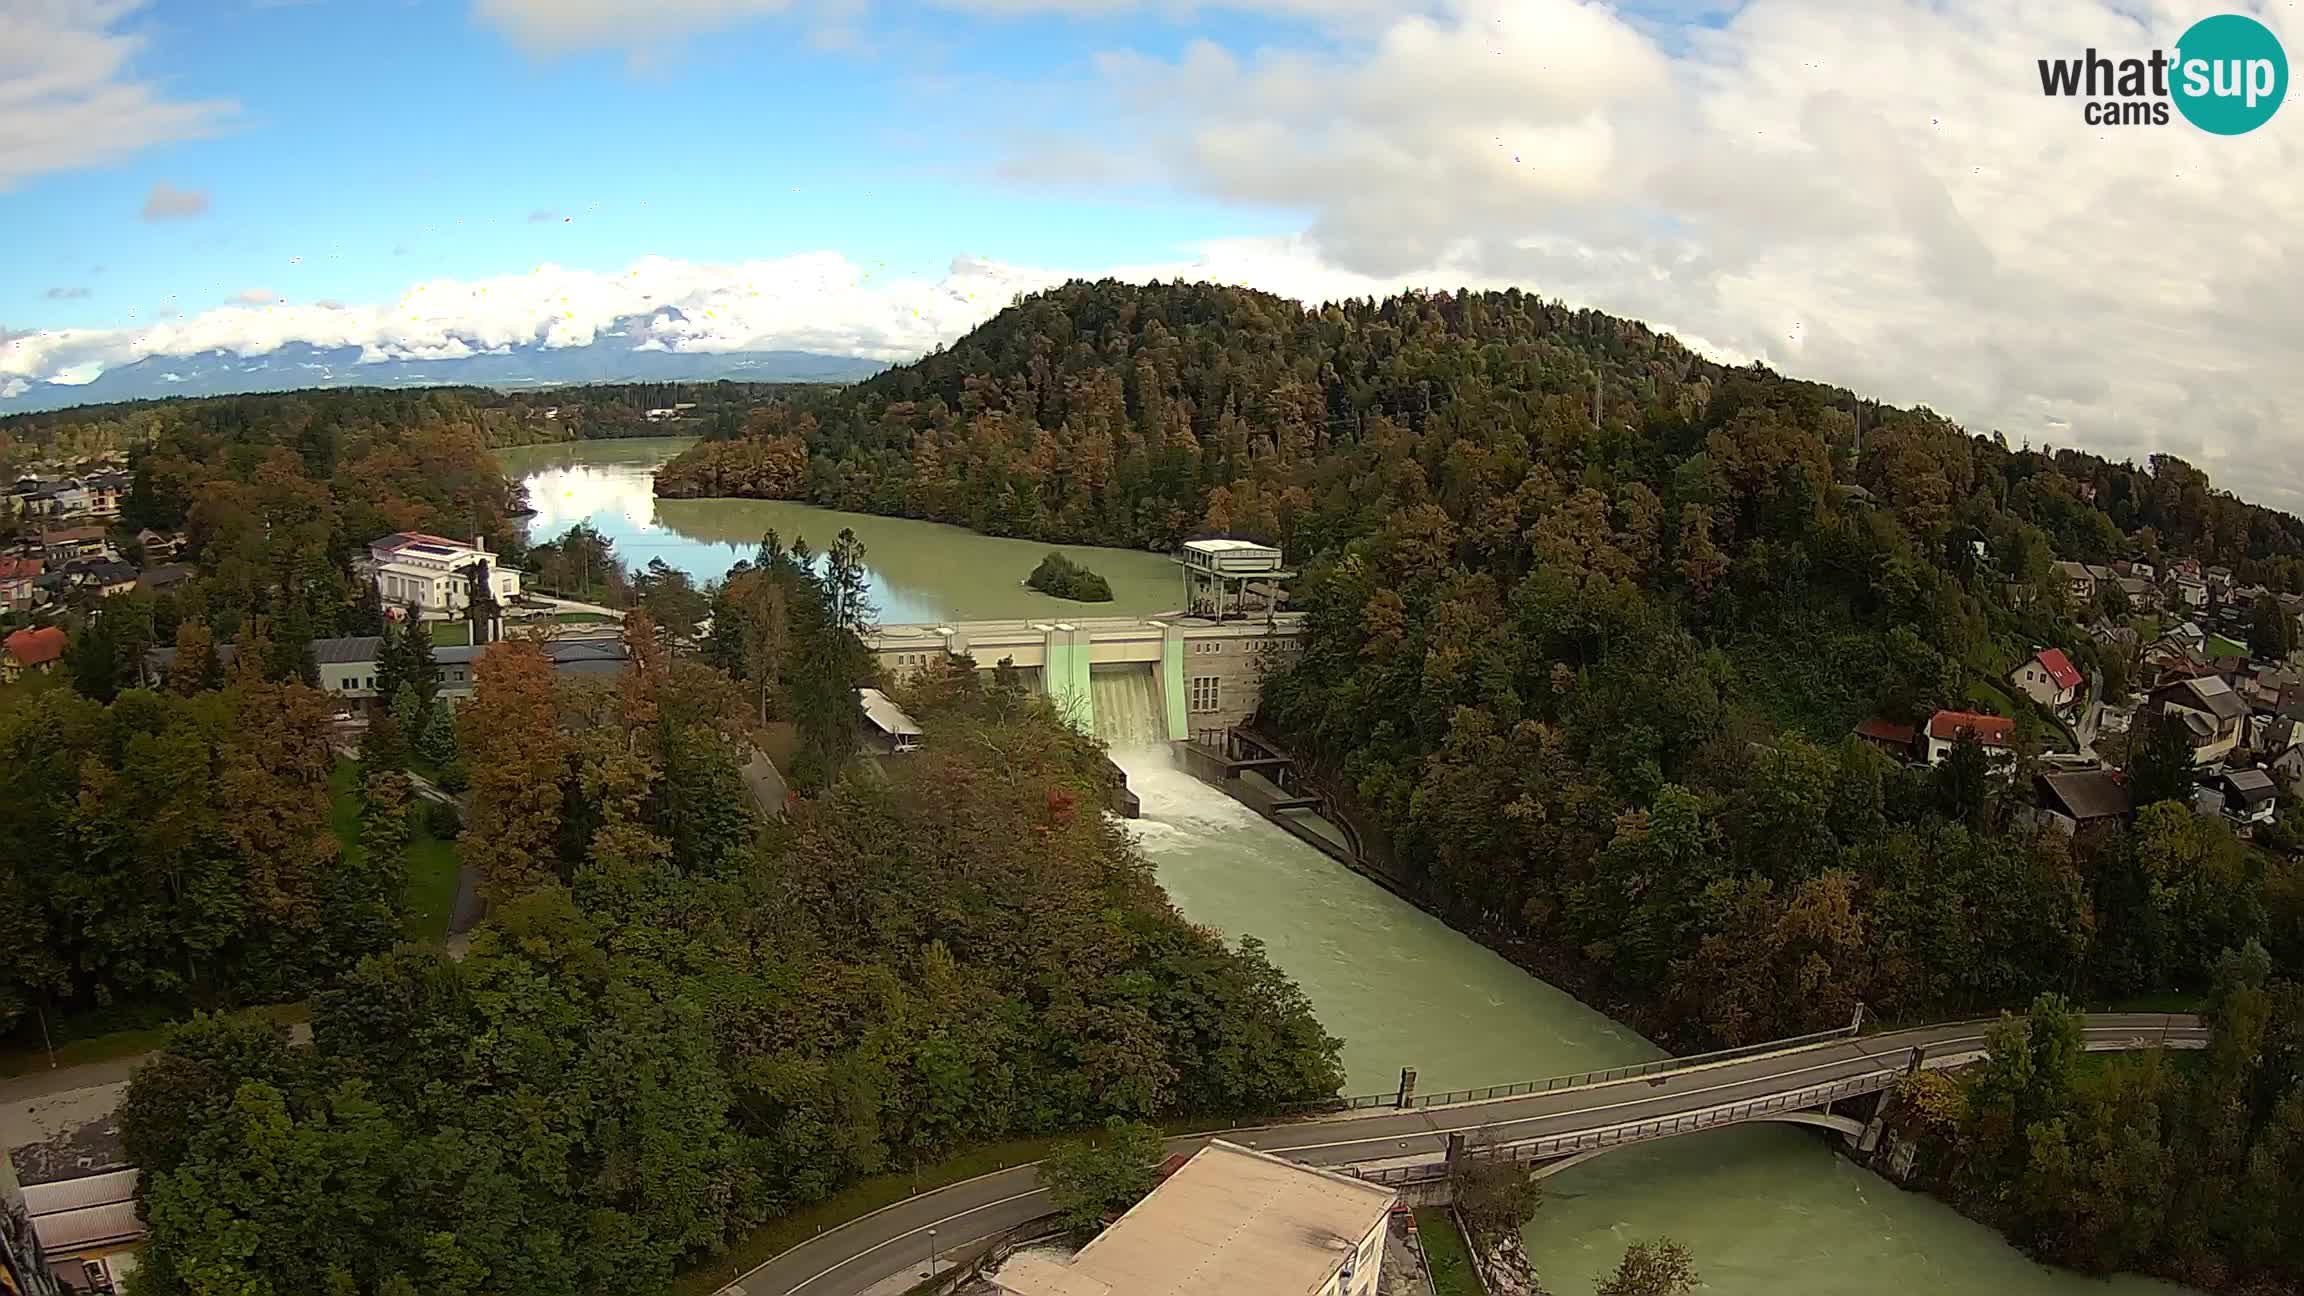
[(1559, 1145), (1574, 1079)]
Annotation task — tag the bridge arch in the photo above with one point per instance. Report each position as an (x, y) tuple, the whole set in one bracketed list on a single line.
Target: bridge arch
[(1847, 1127)]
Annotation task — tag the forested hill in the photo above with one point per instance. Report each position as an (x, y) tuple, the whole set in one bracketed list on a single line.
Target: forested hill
[(499, 418), (1111, 413)]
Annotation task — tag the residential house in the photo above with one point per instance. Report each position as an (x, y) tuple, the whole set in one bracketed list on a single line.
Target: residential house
[(2081, 579), (428, 572), (2189, 591), (31, 651), (74, 1188), (159, 546), (2219, 579), (58, 499), (2269, 736), (1993, 733), (1231, 1221), (166, 576), (19, 582), (98, 577), (1895, 739), (2136, 567), (2213, 715), (2071, 800), (2049, 678), (2247, 797), (2142, 594), (106, 490), (2289, 765), (62, 546), (886, 727), (2185, 567)]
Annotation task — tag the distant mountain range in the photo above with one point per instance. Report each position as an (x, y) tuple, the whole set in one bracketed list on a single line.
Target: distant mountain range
[(611, 359)]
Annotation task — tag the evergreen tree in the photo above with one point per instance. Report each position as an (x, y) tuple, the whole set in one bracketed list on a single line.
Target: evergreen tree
[(404, 659), (2160, 767)]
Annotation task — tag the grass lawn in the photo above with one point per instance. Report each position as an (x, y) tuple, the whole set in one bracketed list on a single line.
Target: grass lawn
[(430, 898), (450, 634), (1988, 696), (1445, 1253)]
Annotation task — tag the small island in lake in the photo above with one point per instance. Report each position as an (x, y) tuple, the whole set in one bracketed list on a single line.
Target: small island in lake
[(1064, 578)]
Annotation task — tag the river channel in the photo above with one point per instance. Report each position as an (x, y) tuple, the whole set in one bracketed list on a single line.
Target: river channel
[(1767, 1211)]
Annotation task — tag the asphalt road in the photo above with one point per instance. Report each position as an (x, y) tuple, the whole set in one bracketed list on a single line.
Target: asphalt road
[(853, 1257)]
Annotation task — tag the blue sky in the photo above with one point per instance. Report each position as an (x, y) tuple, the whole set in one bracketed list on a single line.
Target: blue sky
[(379, 143)]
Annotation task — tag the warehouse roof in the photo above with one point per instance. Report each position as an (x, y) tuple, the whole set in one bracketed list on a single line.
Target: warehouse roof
[(1233, 1220)]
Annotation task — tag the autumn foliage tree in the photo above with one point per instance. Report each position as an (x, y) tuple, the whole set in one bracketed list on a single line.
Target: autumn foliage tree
[(509, 733)]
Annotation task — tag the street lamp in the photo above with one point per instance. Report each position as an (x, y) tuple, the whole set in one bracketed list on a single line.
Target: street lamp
[(931, 1255)]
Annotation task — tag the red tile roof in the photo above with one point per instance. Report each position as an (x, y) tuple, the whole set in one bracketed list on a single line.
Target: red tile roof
[(2059, 668), (36, 647), (1992, 731), (19, 568), (1882, 731)]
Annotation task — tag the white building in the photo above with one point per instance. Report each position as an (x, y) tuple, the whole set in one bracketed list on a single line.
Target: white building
[(428, 571), (1233, 1221)]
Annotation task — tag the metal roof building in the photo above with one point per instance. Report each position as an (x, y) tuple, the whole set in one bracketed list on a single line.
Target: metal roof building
[(1232, 1221)]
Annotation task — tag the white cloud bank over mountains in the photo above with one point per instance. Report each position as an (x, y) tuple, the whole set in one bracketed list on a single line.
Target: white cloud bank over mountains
[(818, 302)]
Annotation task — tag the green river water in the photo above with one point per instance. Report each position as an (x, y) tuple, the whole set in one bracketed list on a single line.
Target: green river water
[(1767, 1211)]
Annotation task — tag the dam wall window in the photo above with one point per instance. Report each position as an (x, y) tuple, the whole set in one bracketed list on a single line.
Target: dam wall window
[(1207, 693)]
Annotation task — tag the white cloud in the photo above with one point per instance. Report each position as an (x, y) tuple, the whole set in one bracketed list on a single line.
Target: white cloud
[(68, 98), (559, 26), (549, 27), (1873, 194), (255, 296), (72, 293), (812, 302), (167, 202), (817, 302)]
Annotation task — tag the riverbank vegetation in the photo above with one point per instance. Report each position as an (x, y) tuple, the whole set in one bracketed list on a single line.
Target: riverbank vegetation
[(1066, 579), (683, 1018), (2189, 1166)]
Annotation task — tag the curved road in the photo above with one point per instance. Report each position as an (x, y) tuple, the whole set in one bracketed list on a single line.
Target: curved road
[(857, 1255)]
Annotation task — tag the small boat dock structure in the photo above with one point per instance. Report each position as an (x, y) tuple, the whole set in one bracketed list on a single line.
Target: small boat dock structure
[(1253, 770)]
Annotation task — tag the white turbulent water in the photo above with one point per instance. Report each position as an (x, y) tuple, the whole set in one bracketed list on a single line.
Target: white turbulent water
[(1126, 700), (1767, 1211)]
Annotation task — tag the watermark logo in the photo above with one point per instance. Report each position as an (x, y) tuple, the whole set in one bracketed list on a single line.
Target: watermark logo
[(2227, 76)]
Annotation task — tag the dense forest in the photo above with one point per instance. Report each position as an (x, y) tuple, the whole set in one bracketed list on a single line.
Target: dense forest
[(174, 847), (1589, 619), (311, 420), (2190, 1166), (682, 1018)]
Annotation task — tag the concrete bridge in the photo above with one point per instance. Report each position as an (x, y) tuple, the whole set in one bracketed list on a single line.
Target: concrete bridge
[(1205, 675), (1408, 1139)]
